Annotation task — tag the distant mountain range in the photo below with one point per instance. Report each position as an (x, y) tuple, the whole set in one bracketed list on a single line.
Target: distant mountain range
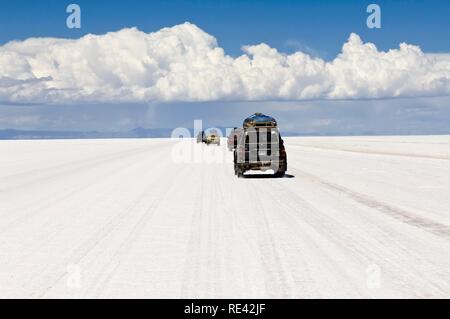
[(37, 134), (138, 132)]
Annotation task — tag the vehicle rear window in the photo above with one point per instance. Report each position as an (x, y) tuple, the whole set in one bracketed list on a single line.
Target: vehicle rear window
[(262, 136)]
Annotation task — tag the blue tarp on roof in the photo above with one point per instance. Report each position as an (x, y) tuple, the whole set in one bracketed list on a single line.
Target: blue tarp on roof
[(258, 120)]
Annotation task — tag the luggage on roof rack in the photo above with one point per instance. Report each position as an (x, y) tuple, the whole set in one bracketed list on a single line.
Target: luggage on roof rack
[(259, 120)]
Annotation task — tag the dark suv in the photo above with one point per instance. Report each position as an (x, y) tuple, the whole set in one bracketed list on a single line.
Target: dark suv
[(201, 137), (260, 148), (233, 138)]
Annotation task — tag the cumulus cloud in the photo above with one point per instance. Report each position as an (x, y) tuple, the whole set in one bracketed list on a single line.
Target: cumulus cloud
[(184, 63)]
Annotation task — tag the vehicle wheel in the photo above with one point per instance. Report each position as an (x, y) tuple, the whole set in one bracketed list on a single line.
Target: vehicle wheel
[(280, 174), (237, 171)]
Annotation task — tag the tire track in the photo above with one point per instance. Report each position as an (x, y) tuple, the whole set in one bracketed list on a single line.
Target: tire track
[(275, 280), (401, 214), (68, 168), (354, 245), (88, 245), (119, 257), (369, 152), (193, 260), (54, 200)]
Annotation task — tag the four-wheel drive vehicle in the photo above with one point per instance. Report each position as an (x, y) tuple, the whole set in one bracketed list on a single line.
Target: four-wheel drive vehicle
[(260, 147), (212, 138), (233, 138), (201, 137)]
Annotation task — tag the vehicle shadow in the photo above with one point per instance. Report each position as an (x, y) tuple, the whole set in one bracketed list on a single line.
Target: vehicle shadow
[(264, 176)]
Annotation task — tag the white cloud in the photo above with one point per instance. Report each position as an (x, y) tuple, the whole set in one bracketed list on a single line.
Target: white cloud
[(184, 63)]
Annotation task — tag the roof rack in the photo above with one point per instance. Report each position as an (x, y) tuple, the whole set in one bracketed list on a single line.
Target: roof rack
[(259, 120)]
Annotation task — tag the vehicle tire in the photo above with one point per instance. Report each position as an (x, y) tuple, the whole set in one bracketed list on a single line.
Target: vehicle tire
[(280, 173), (237, 171)]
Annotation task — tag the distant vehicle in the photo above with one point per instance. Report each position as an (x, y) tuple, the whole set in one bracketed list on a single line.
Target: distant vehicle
[(212, 137), (233, 138), (260, 147), (201, 137)]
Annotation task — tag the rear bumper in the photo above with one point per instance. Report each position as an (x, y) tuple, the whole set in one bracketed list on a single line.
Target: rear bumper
[(280, 165)]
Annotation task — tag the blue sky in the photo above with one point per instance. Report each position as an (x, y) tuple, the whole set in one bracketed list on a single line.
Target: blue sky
[(321, 25), (317, 28)]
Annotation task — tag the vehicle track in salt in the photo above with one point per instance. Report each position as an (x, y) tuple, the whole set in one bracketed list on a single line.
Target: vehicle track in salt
[(404, 215), (369, 152)]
